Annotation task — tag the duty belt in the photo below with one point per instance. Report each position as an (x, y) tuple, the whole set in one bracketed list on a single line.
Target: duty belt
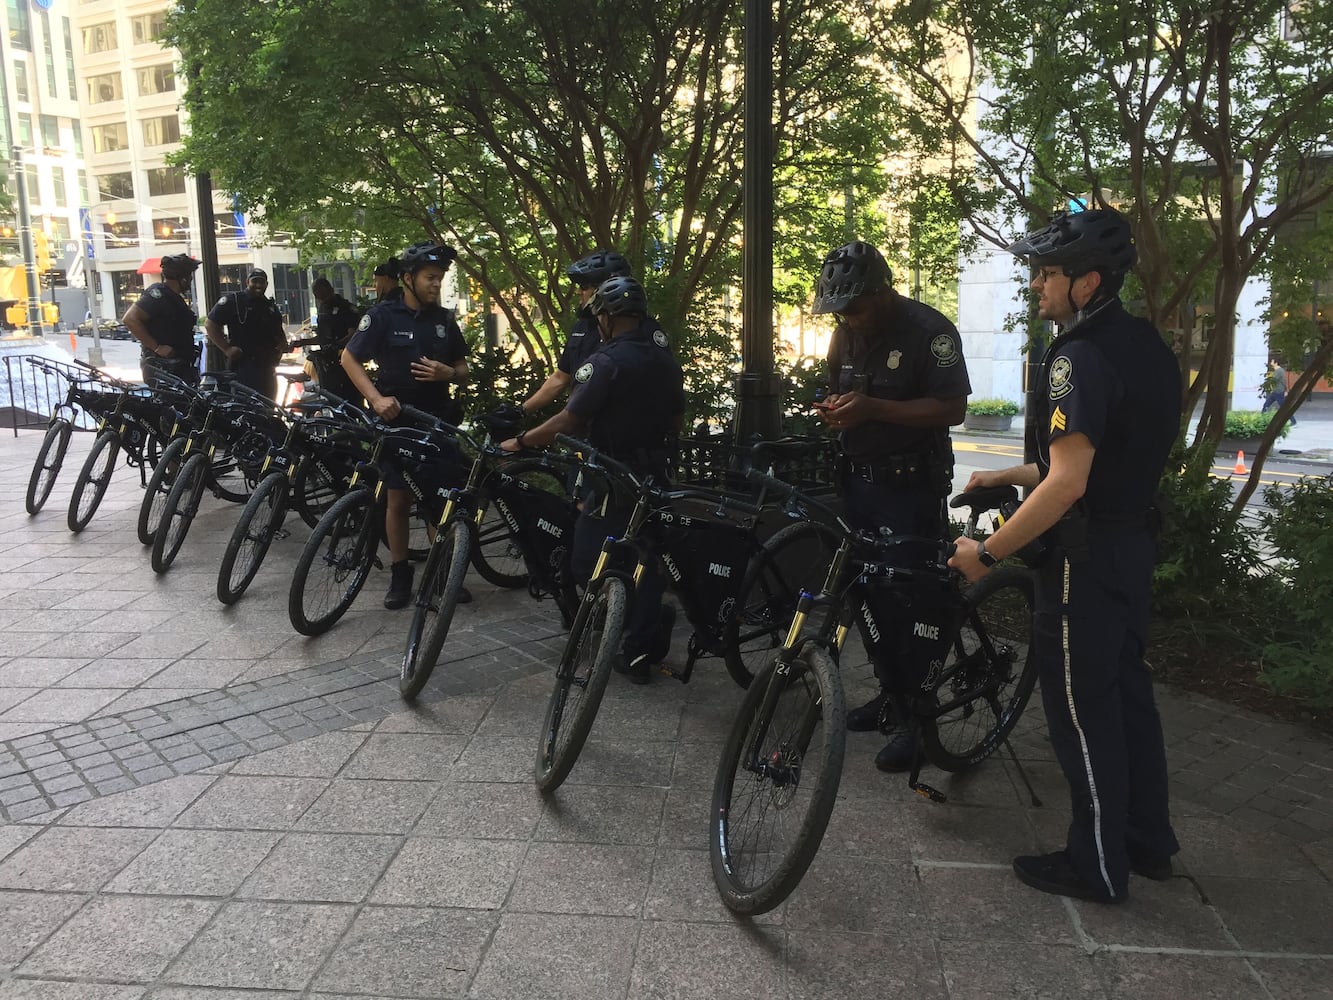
[(906, 468)]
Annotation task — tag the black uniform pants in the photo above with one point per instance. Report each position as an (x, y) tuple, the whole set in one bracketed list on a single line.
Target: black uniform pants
[(257, 375), (1091, 630), (645, 611)]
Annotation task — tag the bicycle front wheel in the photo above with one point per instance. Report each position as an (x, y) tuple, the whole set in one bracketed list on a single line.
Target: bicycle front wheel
[(334, 563), (178, 511), (50, 458), (989, 675), (258, 524), (436, 600), (155, 493), (94, 478), (580, 682), (777, 781)]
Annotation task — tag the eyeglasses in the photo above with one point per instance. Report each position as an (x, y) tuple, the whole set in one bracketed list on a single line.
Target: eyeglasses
[(1045, 273)]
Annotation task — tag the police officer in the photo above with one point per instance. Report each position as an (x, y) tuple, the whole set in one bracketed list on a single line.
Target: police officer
[(255, 339), (335, 322), (627, 400), (584, 337), (1108, 416), (163, 323), (897, 381), (387, 284), (420, 351)]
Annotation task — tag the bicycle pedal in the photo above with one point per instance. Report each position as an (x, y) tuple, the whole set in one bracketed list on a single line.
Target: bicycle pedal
[(927, 792), (682, 675), (281, 533)]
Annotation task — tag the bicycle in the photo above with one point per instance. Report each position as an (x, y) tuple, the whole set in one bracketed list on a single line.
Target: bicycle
[(81, 400), (964, 668)]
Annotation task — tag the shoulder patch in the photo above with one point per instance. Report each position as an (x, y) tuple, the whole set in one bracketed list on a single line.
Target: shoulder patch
[(1061, 378), (945, 352), (1058, 420), (584, 373), (221, 301), (894, 359), (155, 292), (365, 322), (660, 338)]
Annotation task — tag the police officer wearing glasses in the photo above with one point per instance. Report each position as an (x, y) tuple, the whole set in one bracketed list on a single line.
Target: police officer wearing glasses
[(255, 339), (897, 382), (163, 323), (1109, 413)]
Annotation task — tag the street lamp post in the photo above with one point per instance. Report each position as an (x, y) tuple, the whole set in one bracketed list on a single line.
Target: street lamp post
[(34, 288)]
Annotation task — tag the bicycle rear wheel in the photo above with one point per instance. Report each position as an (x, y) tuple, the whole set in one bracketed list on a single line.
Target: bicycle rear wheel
[(777, 781), (258, 524), (178, 511), (155, 493), (796, 556), (315, 488), (50, 458), (436, 600), (334, 563), (94, 478), (580, 682), (989, 675)]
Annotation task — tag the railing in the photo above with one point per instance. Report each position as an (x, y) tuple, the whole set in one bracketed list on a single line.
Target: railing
[(31, 394), (720, 462)]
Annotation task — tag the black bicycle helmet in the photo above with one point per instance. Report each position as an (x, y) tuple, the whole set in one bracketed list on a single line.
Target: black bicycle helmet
[(852, 270), (591, 271), (179, 266), (619, 296), (1099, 240), (389, 269), (418, 255)]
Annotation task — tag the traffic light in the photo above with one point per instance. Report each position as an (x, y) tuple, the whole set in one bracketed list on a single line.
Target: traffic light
[(43, 248)]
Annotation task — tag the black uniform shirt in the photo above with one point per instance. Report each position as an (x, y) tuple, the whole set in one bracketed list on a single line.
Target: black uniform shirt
[(585, 337), (631, 392), (334, 319), (254, 324), (171, 320), (917, 355), (1114, 379), (393, 336)]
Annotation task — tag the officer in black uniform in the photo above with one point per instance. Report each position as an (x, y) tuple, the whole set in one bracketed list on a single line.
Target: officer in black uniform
[(255, 340), (163, 323), (628, 399), (387, 283), (419, 350), (897, 382), (1107, 419), (584, 337), (335, 322)]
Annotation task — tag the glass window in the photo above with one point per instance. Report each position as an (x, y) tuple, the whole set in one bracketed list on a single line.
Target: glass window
[(48, 46), (175, 230), (25, 129), (84, 190), (77, 132), (157, 79), (99, 38), (50, 131), (160, 131), (21, 92), (166, 180), (148, 27), (109, 138), (57, 232), (34, 186), (122, 232), (20, 31), (70, 76), (104, 87), (58, 187), (114, 186)]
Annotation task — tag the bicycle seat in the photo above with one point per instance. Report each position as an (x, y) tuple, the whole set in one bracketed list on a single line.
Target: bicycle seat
[(987, 498)]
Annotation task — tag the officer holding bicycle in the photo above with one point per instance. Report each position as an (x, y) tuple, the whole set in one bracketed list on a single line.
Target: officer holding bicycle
[(1108, 416), (163, 323), (897, 382), (628, 400)]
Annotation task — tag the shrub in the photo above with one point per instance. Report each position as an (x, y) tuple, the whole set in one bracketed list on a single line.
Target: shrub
[(992, 408), (1248, 424)]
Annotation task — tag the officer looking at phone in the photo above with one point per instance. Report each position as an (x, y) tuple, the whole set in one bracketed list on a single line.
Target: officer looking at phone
[(897, 382)]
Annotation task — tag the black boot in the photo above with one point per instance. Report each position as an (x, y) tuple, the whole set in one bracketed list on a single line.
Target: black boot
[(866, 718), (400, 585)]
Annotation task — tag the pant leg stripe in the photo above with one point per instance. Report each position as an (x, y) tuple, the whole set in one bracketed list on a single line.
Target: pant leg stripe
[(1082, 739)]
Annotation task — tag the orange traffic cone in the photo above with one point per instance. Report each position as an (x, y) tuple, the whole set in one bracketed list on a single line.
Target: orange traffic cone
[(73, 344), (1240, 469)]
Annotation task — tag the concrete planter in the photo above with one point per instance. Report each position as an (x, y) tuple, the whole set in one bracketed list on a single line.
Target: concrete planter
[(986, 422), (1230, 445)]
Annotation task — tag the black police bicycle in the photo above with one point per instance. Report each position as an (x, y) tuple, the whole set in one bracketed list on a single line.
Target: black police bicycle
[(964, 668), (89, 396)]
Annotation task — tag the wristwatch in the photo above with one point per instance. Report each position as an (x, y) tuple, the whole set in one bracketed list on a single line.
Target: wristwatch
[(984, 557), (518, 440)]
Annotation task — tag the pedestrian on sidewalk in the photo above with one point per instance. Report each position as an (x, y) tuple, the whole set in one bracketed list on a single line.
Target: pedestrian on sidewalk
[(1274, 388)]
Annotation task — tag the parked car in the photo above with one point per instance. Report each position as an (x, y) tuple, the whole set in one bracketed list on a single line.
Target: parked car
[(108, 329)]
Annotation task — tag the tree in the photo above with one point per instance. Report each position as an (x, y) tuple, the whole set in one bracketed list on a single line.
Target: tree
[(528, 133)]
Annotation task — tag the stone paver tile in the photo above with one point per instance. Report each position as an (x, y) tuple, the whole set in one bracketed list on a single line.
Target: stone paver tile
[(19, 643), (546, 956), (827, 965), (72, 859), (46, 989), (283, 944), (1292, 980), (1213, 846), (582, 878), (1139, 976), (503, 810), (249, 646), (158, 644), (955, 833), (496, 758), (1166, 914), (37, 671), (434, 872), (604, 762), (97, 600), (195, 863), (369, 807), (322, 868), (688, 961), (26, 918), (13, 837), (636, 714), (253, 803), (459, 714), (682, 888), (408, 952), (62, 705), (685, 818), (198, 674), (405, 756), (990, 904), (88, 645), (317, 757), (155, 805), (517, 712), (1275, 916), (127, 938), (859, 894), (105, 673), (984, 969), (602, 814), (144, 697)]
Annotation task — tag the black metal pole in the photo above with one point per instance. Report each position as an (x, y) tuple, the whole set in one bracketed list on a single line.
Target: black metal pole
[(209, 280), (758, 392)]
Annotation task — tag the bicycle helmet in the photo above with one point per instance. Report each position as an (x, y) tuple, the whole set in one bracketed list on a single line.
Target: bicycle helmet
[(852, 270), (179, 266), (591, 271), (419, 255), (619, 296), (1099, 240)]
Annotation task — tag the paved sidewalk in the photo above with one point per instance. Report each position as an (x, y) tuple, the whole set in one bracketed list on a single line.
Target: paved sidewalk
[(198, 804)]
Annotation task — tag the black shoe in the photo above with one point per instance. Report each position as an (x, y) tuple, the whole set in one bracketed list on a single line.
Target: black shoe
[(1157, 869), (866, 718), (638, 670), (662, 641), (1054, 873), (897, 755), (400, 585), (464, 596)]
